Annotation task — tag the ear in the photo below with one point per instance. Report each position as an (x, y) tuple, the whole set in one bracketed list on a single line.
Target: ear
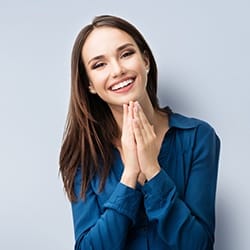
[(92, 89), (146, 60)]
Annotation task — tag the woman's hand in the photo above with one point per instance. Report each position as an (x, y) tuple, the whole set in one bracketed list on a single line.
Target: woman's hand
[(129, 151), (146, 146)]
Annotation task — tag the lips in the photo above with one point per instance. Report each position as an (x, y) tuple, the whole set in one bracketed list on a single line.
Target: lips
[(121, 84)]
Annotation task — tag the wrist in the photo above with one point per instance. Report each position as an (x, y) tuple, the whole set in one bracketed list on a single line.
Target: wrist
[(152, 172), (141, 179), (129, 179)]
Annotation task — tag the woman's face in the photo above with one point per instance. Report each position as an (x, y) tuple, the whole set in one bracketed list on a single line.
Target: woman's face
[(116, 68)]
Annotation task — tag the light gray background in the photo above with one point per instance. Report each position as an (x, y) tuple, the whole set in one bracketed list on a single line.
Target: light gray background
[(202, 49)]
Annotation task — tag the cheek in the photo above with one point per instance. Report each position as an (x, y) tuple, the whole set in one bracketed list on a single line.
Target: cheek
[(137, 65), (97, 78), (134, 63)]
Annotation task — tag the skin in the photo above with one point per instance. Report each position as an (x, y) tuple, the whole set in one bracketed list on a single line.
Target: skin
[(116, 59), (140, 147)]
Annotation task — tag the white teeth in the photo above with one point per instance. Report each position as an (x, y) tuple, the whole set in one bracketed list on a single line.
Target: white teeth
[(121, 84)]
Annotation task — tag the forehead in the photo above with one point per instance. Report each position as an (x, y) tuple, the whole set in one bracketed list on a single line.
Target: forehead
[(103, 40)]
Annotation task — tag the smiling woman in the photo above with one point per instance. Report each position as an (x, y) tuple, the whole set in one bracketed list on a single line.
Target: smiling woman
[(138, 176), (116, 68)]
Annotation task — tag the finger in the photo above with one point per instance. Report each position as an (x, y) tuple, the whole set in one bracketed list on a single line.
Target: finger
[(141, 115), (129, 122), (137, 117), (139, 124), (126, 127), (127, 136), (145, 125), (130, 110), (125, 114), (138, 132)]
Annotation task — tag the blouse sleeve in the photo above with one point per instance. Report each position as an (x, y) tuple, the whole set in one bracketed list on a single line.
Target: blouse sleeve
[(187, 223), (107, 230)]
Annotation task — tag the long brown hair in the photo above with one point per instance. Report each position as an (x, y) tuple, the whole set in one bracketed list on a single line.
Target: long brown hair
[(85, 143)]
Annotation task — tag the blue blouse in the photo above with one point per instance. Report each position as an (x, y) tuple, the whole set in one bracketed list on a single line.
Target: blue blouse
[(174, 210)]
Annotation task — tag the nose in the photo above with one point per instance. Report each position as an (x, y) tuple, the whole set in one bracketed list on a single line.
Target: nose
[(116, 68)]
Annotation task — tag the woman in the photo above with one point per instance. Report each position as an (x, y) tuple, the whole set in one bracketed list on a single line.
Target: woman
[(138, 176)]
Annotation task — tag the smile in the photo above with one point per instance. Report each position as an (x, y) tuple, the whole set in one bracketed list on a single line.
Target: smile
[(122, 84)]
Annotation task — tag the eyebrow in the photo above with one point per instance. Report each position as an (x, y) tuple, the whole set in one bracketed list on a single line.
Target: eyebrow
[(124, 46)]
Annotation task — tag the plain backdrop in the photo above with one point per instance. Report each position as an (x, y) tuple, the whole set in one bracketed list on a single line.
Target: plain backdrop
[(202, 50)]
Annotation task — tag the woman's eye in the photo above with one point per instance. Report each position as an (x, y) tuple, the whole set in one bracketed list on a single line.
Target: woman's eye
[(98, 65), (128, 53)]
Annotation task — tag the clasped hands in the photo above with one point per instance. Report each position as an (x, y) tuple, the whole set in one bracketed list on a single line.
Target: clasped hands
[(139, 146)]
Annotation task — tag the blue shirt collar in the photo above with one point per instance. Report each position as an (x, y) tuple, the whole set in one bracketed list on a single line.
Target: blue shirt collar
[(182, 122)]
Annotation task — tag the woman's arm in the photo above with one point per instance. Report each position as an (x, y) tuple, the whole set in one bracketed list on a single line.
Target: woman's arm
[(187, 223), (107, 230)]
